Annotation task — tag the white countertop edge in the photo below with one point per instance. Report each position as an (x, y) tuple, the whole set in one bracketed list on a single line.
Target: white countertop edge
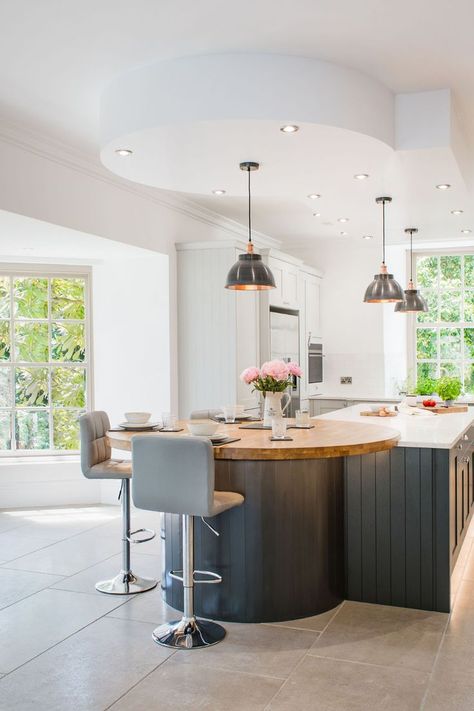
[(454, 428), (373, 399)]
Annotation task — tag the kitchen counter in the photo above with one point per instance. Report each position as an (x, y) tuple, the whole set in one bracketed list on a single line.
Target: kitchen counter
[(349, 396), (424, 430), (280, 554), (326, 439)]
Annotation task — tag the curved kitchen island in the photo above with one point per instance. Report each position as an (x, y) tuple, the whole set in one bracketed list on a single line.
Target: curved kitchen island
[(281, 554)]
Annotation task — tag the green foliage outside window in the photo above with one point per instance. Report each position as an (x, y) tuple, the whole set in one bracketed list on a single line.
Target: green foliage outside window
[(43, 361), (445, 333)]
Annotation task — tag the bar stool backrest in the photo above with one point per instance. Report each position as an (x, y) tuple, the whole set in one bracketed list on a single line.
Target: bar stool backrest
[(173, 475), (94, 446)]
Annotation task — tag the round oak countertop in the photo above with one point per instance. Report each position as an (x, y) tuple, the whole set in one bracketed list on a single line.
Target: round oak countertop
[(326, 439)]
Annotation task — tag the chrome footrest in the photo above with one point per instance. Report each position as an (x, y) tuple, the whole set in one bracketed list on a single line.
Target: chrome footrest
[(141, 540), (215, 578)]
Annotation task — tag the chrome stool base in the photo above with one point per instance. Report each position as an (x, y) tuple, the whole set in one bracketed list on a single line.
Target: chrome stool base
[(126, 584), (189, 633)]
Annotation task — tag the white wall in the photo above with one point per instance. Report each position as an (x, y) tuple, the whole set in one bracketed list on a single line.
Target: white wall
[(356, 334)]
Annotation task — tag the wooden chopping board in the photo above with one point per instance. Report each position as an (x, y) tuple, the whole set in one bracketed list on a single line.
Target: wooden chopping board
[(442, 410), (369, 413)]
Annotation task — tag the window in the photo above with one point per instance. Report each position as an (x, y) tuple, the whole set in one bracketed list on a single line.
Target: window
[(44, 359), (444, 335)]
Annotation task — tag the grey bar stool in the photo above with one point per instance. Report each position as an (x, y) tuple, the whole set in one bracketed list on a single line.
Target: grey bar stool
[(204, 414), (96, 463), (176, 475)]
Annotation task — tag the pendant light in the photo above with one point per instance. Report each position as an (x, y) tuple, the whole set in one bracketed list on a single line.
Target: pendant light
[(249, 273), (384, 289), (413, 300)]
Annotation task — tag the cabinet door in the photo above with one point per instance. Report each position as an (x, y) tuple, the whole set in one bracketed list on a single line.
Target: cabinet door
[(290, 286), (275, 296), (453, 526), (459, 497), (312, 309)]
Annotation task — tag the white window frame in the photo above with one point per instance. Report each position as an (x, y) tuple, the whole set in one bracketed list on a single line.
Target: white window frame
[(50, 271), (412, 323)]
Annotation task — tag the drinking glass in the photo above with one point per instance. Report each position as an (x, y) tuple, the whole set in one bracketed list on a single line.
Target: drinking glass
[(302, 418), (230, 412), (278, 427), (169, 421)]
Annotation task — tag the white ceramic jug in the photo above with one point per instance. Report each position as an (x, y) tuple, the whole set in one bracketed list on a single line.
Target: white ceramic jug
[(273, 406)]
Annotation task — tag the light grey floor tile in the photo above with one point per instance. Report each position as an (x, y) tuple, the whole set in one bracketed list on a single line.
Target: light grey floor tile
[(17, 543), (317, 623), (36, 623), (18, 584), (461, 623), (147, 566), (147, 607), (451, 690), (70, 556), (176, 686), (465, 595), (329, 685), (88, 671), (379, 634), (255, 649)]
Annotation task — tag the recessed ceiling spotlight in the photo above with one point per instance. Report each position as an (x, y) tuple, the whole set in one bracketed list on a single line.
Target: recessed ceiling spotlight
[(367, 237), (314, 196), (457, 212), (290, 128), (361, 176), (316, 214), (466, 232), (343, 234), (443, 186), (123, 151), (218, 192), (343, 219)]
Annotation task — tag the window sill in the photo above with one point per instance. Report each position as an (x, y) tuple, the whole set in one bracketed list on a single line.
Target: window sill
[(40, 459)]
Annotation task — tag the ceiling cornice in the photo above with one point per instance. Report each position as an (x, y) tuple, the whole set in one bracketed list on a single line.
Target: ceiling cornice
[(56, 151)]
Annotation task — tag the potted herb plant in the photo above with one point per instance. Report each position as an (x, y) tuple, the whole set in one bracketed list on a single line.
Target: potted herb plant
[(448, 389)]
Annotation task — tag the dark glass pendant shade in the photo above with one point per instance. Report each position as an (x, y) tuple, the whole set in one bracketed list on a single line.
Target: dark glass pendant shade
[(413, 301), (384, 289), (249, 273)]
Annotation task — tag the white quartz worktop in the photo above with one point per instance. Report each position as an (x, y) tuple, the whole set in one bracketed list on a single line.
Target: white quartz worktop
[(424, 430), (349, 396)]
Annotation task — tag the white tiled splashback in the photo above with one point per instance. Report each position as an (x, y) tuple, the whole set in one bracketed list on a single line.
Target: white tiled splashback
[(366, 370)]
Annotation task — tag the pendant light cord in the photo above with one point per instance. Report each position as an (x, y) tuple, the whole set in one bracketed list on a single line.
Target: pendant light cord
[(411, 255), (250, 205), (383, 232)]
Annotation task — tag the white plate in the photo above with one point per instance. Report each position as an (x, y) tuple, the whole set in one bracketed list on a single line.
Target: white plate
[(237, 417), (217, 437), (141, 426)]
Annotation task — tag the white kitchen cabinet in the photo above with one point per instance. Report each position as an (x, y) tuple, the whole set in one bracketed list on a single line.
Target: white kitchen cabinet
[(218, 329), (286, 294), (312, 292)]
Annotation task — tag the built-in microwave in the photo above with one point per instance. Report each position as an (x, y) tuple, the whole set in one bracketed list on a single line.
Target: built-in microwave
[(315, 362)]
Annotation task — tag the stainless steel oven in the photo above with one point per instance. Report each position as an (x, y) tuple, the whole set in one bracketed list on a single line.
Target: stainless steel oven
[(315, 362)]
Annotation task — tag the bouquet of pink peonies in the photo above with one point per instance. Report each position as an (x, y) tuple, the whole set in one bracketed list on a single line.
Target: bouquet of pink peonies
[(275, 376)]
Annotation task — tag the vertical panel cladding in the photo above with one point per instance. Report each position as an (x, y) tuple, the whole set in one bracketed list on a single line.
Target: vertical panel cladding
[(368, 529), (353, 534), (383, 528), (413, 527), (442, 554), (397, 526), (426, 530), (398, 508)]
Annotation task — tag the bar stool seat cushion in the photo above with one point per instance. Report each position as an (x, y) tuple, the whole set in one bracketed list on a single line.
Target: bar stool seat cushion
[(111, 469), (224, 500)]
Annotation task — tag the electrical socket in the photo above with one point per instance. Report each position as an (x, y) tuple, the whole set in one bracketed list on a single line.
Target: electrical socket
[(346, 380)]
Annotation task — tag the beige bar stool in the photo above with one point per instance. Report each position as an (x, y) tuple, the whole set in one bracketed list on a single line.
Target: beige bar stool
[(176, 475), (96, 463)]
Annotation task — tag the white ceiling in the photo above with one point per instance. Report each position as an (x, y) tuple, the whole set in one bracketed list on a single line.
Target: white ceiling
[(57, 57)]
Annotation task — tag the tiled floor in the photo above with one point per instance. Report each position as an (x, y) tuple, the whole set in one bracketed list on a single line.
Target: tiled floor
[(65, 646)]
